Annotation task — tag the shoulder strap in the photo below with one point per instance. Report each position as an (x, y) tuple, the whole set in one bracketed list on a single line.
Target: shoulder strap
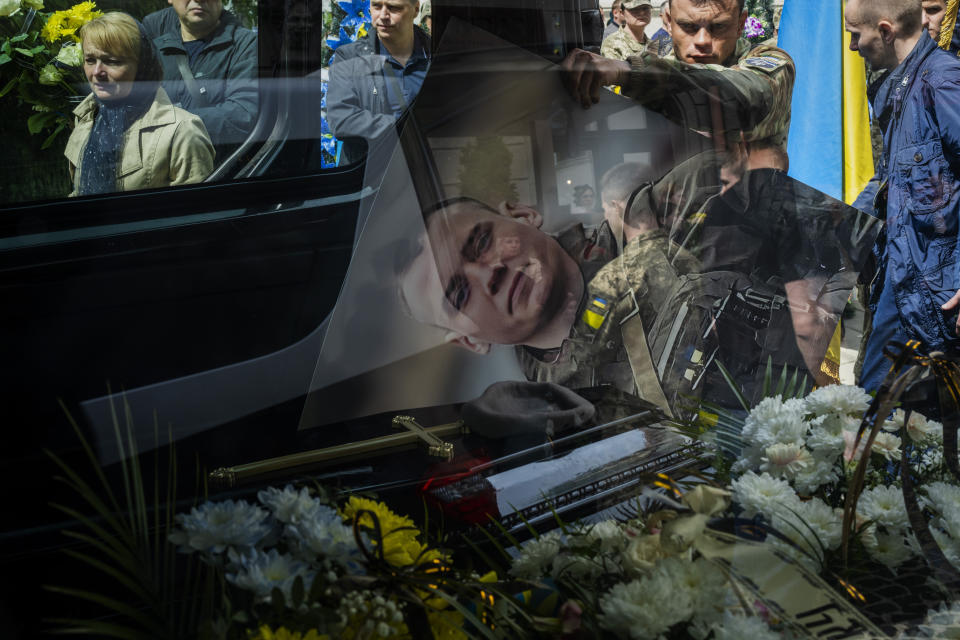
[(641, 362), (190, 82)]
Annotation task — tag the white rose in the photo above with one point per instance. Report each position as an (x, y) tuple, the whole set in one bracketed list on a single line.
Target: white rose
[(9, 7), (70, 55), (642, 553), (49, 74)]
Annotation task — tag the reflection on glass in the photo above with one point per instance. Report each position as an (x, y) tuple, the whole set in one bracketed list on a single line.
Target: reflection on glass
[(128, 134)]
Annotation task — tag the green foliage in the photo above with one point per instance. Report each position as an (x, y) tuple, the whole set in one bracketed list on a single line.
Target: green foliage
[(246, 10), (485, 171), (124, 537)]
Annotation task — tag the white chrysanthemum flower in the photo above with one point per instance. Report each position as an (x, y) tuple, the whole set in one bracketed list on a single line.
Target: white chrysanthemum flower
[(826, 440), (885, 506), (785, 460), (324, 534), (773, 421), (647, 607), (262, 572), (943, 622), (825, 521), (919, 428), (823, 471), (750, 459), (214, 526), (890, 549), (536, 555), (706, 584), (289, 505), (941, 496), (838, 398), (888, 445), (734, 627), (949, 545), (762, 494), (766, 410)]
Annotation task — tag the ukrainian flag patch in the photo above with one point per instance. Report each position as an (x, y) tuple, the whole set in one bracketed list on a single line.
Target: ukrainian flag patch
[(767, 64), (596, 313)]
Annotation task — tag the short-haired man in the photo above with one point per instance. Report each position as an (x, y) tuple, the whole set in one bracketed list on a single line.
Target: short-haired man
[(209, 67), (616, 19), (712, 71), (916, 189), (490, 276), (374, 80), (933, 12), (630, 39), (616, 187)]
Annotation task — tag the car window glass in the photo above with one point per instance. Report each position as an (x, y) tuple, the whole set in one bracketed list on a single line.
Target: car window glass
[(150, 95)]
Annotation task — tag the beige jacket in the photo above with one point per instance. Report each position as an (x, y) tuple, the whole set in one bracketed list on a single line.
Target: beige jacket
[(166, 146)]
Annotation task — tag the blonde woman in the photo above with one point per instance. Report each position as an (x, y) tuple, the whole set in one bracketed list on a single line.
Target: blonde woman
[(128, 135)]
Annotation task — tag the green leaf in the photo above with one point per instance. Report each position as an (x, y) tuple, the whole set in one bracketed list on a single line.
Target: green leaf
[(20, 38), (10, 85), (27, 52), (296, 592), (4, 59), (53, 136), (278, 601), (38, 121), (97, 628), (734, 387), (37, 49), (112, 604)]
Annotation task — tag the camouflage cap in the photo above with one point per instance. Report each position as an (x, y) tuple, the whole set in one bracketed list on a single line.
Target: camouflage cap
[(634, 4)]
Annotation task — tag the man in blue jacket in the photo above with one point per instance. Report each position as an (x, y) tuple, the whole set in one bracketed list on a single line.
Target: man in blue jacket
[(209, 67), (374, 80), (916, 292)]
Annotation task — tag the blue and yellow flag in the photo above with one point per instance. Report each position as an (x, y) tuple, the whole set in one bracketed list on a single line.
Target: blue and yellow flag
[(829, 143)]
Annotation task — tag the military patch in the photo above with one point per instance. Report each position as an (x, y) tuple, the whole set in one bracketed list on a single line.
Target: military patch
[(767, 64), (596, 313)]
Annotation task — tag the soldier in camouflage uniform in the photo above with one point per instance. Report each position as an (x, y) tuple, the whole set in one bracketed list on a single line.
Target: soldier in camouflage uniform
[(476, 256), (630, 39), (632, 287)]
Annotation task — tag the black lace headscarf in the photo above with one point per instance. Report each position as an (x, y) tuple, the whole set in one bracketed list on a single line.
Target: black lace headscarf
[(101, 156)]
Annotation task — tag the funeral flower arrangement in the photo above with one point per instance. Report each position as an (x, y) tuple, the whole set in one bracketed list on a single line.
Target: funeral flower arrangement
[(41, 62), (643, 577), (299, 565), (797, 461)]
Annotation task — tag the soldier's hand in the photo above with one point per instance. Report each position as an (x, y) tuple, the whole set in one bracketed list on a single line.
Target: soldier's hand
[(584, 73)]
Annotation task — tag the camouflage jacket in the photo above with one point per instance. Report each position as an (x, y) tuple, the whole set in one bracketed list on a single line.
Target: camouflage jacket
[(637, 282), (621, 45), (753, 90)]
